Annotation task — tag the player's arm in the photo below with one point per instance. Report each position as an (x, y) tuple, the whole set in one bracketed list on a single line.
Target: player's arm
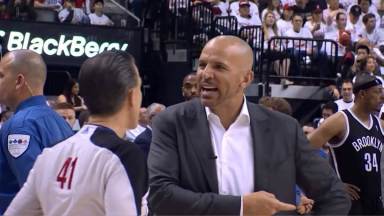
[(23, 149), (331, 128), (26, 201)]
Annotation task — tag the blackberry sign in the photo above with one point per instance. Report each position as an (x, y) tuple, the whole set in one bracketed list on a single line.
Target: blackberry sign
[(70, 45)]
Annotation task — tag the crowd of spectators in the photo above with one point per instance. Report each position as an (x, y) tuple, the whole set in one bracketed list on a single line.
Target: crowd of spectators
[(350, 23), (64, 11)]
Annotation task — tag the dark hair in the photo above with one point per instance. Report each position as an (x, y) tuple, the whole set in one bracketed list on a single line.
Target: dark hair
[(347, 81), (105, 80), (367, 16), (64, 105), (362, 46), (339, 14), (331, 106), (359, 1), (296, 14), (96, 1), (189, 75), (67, 92), (83, 117)]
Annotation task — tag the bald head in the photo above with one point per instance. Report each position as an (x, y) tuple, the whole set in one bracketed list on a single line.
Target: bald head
[(235, 47), (31, 65)]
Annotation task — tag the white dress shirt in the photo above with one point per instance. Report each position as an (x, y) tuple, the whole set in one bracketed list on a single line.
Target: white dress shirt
[(133, 133), (234, 151)]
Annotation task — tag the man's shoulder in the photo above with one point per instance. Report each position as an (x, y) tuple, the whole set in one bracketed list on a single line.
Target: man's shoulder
[(263, 113), (27, 116), (182, 109)]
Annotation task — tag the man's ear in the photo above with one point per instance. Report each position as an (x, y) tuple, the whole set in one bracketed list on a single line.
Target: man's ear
[(248, 78), (19, 81), (129, 98)]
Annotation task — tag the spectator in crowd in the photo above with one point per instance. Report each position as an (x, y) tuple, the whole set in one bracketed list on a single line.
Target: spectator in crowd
[(219, 8), (346, 101), (346, 3), (84, 5), (71, 95), (70, 14), (98, 17), (21, 10), (378, 52), (191, 142), (245, 17), (356, 141), (106, 174), (367, 7), (380, 12), (354, 23), (340, 35), (304, 8), (33, 126), (67, 111), (330, 13), (370, 33), (369, 65), (235, 5), (54, 5), (281, 62), (316, 25), (143, 140), (327, 110), (276, 104), (302, 50), (273, 6), (143, 123), (298, 31), (190, 88), (362, 52), (285, 22)]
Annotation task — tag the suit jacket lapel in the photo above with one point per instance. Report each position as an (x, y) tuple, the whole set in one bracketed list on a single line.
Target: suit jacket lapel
[(201, 139), (262, 140)]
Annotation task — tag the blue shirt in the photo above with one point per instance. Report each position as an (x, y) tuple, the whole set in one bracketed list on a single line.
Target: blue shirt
[(33, 127)]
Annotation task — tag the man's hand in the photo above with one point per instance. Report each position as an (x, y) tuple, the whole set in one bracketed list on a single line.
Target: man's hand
[(264, 203), (305, 205), (353, 191)]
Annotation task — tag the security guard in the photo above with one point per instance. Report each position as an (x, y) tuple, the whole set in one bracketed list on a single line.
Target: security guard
[(34, 125)]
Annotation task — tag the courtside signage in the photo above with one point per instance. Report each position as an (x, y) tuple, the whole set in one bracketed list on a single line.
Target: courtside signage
[(75, 46), (66, 44)]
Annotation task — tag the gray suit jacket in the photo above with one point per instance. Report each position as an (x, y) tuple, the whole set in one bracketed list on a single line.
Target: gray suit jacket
[(182, 169)]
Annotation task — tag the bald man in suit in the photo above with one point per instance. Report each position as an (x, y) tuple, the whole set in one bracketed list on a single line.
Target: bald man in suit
[(220, 154)]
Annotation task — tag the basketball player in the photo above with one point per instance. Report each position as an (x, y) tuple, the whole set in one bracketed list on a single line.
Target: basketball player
[(95, 172), (356, 139)]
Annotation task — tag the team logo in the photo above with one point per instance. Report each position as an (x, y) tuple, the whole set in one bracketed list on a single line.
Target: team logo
[(17, 144)]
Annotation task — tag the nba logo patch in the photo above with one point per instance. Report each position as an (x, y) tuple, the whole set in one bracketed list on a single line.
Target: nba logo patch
[(17, 144)]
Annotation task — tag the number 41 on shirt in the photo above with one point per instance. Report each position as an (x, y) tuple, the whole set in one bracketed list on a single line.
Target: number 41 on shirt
[(68, 168)]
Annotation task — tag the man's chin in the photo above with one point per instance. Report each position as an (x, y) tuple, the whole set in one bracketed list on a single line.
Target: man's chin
[(207, 102)]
